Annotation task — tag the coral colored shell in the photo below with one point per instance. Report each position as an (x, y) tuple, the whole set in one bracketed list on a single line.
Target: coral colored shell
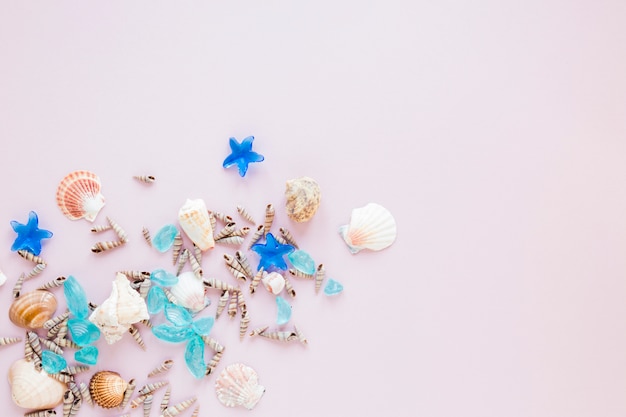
[(107, 389), (238, 384), (78, 195), (303, 198), (273, 282), (32, 309), (32, 388), (371, 227), (194, 220), (189, 292)]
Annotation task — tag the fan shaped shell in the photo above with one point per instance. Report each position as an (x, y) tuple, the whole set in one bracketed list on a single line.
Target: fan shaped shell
[(371, 227), (32, 309), (78, 195), (238, 384), (107, 389), (34, 388), (189, 292)]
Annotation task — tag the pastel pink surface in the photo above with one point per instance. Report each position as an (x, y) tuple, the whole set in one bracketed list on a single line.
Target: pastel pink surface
[(493, 131)]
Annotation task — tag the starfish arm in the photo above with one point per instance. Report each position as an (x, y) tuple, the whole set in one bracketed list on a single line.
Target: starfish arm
[(255, 157), (235, 147), (242, 165), (246, 144)]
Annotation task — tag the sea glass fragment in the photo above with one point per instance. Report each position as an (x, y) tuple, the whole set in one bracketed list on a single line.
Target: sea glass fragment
[(87, 355), (177, 315), (332, 287), (164, 238), (51, 362), (164, 278), (203, 326), (271, 253), (284, 310), (29, 235), (76, 298), (302, 261), (83, 331), (194, 357), (242, 155), (172, 334), (156, 299)]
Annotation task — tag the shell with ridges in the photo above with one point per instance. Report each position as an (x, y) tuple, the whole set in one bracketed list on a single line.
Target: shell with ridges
[(32, 309), (238, 384), (189, 292), (303, 198), (371, 227), (194, 220), (33, 388), (107, 389), (78, 195)]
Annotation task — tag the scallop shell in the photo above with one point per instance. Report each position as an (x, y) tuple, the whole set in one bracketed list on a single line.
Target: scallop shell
[(123, 308), (303, 198), (107, 389), (194, 220), (273, 282), (371, 227), (189, 292), (238, 384), (32, 388), (78, 195), (32, 309)]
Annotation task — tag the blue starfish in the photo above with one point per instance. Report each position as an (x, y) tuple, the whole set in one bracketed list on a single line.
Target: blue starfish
[(242, 155), (29, 235), (272, 253)]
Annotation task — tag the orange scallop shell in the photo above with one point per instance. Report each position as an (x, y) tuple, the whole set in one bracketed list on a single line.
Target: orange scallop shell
[(32, 309), (107, 389), (78, 195)]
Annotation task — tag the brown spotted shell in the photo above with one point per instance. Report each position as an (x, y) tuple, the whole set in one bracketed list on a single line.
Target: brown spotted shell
[(303, 198), (107, 389), (32, 309)]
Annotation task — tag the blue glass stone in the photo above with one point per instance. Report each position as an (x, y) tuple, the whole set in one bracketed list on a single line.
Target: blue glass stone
[(76, 298), (241, 155), (52, 363), (173, 334), (203, 326), (87, 355), (164, 238), (156, 299), (284, 310), (194, 357), (29, 235), (177, 315), (302, 261), (163, 278), (83, 332), (271, 253), (332, 287)]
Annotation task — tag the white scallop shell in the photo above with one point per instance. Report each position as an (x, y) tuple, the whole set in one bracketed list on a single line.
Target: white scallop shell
[(194, 220), (238, 384), (371, 227), (32, 388), (273, 282), (78, 195), (123, 308), (189, 292)]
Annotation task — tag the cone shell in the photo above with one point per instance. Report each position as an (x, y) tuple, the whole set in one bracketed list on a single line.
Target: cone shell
[(371, 227), (303, 198), (194, 220), (78, 195), (32, 309), (238, 384), (107, 389), (32, 388), (189, 292)]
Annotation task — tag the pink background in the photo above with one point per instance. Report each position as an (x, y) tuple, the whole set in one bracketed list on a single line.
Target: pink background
[(493, 131)]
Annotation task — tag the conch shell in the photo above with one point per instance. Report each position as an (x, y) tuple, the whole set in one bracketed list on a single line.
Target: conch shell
[(32, 388), (194, 220), (303, 198), (32, 309), (123, 308)]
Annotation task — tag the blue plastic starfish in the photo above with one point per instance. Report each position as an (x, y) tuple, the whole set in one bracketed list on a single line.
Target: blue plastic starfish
[(242, 155), (29, 235), (272, 253)]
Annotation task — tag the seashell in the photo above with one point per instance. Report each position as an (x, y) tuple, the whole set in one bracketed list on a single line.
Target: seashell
[(230, 240), (31, 257), (226, 231), (138, 401), (38, 269), (84, 393), (146, 236), (243, 324), (319, 277), (286, 234), (289, 287), (260, 231), (245, 214), (17, 288), (121, 233), (57, 282), (106, 245), (196, 411), (303, 198), (123, 308), (221, 305), (34, 388), (33, 309), (176, 248), (212, 343), (194, 220), (100, 228), (224, 218), (232, 305), (148, 179), (147, 405), (176, 409), (189, 292), (4, 341), (256, 280), (107, 389), (218, 285), (128, 393), (51, 346), (273, 282), (269, 218), (238, 384), (163, 367), (195, 267), (371, 227), (78, 195), (197, 253), (41, 413), (134, 332), (215, 360), (150, 388), (3, 278), (165, 402)]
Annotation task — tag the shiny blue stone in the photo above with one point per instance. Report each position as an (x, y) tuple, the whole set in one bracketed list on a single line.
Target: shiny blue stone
[(332, 287), (83, 332), (87, 355), (173, 334), (203, 325), (29, 235), (75, 298), (52, 363), (271, 253), (302, 261), (177, 315), (194, 357), (284, 310), (242, 155), (164, 238), (156, 299), (163, 278)]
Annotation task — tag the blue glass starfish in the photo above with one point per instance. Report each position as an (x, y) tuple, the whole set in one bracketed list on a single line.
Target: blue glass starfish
[(272, 253), (29, 235), (242, 155)]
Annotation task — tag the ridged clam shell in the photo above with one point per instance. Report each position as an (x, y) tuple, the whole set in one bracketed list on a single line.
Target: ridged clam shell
[(194, 220), (238, 384), (107, 389), (32, 388), (78, 195), (32, 309), (371, 227), (189, 292), (303, 198)]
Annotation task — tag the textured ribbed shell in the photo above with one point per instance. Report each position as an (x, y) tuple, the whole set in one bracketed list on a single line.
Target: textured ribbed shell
[(194, 220), (32, 309), (303, 198), (32, 388), (273, 282), (107, 389), (238, 384), (78, 195), (189, 292), (371, 227)]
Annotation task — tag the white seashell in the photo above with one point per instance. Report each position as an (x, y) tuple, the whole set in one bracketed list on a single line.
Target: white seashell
[(303, 198), (189, 292), (273, 282), (78, 195), (371, 227), (3, 278), (194, 220), (123, 308), (32, 388), (238, 384)]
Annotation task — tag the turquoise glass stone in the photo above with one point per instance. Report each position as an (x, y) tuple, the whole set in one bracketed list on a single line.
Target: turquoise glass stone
[(302, 261), (177, 315), (194, 357), (164, 238), (172, 334), (284, 310), (332, 287), (29, 235), (163, 278), (271, 253), (87, 355), (155, 300), (83, 332), (76, 298), (52, 363), (203, 326), (242, 155)]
